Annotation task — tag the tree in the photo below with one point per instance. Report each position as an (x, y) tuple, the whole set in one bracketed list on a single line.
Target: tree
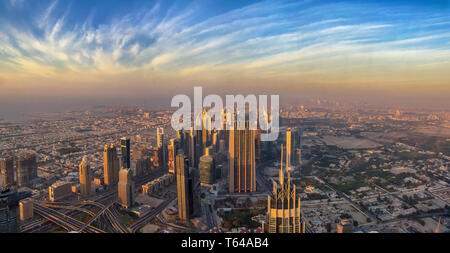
[(226, 224), (355, 223)]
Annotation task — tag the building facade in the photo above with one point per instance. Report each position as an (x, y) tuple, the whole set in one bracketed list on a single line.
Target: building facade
[(242, 175), (111, 165), (85, 174), (125, 148), (283, 207), (7, 170), (126, 188)]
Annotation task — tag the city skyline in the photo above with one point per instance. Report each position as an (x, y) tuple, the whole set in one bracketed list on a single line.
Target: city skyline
[(72, 52)]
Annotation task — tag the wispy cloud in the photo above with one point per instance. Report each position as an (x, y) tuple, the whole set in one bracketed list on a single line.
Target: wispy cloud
[(266, 38)]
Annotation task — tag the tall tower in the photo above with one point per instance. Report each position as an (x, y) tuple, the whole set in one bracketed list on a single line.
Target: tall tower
[(161, 146), (192, 148), (289, 142), (7, 170), (172, 151), (207, 168), (182, 174), (283, 207), (126, 188), (85, 178), (159, 136), (26, 169), (111, 165), (8, 211), (188, 189), (126, 152), (242, 160)]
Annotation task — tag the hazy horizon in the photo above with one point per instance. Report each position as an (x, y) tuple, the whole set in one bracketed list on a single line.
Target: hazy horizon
[(69, 54)]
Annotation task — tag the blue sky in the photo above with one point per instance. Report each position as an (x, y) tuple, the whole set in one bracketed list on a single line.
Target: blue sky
[(85, 46)]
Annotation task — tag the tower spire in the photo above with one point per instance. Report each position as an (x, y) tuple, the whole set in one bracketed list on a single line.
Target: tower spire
[(281, 176)]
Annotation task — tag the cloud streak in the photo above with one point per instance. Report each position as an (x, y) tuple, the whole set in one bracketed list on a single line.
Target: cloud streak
[(285, 40)]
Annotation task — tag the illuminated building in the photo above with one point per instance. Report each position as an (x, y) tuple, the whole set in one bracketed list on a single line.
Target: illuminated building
[(125, 188), (85, 178), (242, 160), (7, 170), (26, 209), (345, 226), (283, 207), (26, 169), (188, 185), (207, 168), (160, 144), (111, 165), (171, 151), (59, 190), (126, 152)]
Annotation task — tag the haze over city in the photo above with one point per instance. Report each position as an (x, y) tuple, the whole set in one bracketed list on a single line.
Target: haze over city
[(151, 117), (69, 53)]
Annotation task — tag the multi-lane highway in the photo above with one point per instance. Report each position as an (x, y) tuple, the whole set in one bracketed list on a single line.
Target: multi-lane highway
[(150, 215)]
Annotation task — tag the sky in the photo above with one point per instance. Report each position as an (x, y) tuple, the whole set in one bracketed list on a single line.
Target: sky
[(57, 53)]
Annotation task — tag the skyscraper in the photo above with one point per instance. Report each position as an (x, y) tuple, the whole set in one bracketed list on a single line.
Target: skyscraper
[(111, 165), (283, 207), (7, 170), (85, 178), (182, 174), (161, 145), (126, 152), (126, 188), (242, 160), (26, 168), (207, 168), (289, 142), (171, 152), (188, 189), (159, 136), (8, 211)]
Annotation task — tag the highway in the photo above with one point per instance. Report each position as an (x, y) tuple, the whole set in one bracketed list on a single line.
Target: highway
[(150, 215), (63, 220), (209, 214)]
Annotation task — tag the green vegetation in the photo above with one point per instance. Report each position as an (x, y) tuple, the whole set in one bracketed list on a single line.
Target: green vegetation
[(65, 151), (240, 218), (350, 186)]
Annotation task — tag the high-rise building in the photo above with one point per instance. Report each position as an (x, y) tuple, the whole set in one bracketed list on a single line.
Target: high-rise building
[(142, 166), (126, 188), (161, 145), (289, 143), (171, 151), (188, 189), (111, 165), (26, 168), (85, 178), (242, 160), (344, 226), (192, 149), (207, 168), (59, 190), (7, 170), (8, 211), (283, 207), (26, 209), (182, 174), (126, 152), (159, 136)]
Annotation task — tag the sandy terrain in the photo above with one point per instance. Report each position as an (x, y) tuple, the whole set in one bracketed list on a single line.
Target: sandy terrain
[(347, 142)]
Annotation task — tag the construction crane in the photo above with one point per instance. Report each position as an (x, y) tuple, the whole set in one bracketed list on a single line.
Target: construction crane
[(438, 225)]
